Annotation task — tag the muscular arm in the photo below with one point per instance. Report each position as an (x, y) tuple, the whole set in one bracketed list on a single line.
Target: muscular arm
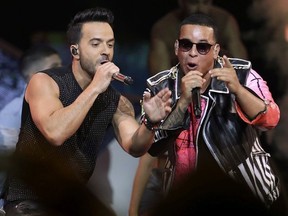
[(161, 51), (158, 58), (235, 45), (56, 123), (133, 139), (145, 166)]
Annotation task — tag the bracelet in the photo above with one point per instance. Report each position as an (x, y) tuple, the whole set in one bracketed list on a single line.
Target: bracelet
[(149, 124)]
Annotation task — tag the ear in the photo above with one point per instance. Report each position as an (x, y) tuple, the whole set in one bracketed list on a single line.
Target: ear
[(216, 51), (74, 50), (176, 47)]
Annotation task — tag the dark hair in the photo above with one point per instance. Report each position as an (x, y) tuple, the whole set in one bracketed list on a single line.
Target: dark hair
[(34, 55), (200, 1), (97, 14), (203, 20)]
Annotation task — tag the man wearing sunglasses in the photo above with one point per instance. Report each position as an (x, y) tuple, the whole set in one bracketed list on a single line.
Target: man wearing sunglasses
[(235, 106), (164, 33)]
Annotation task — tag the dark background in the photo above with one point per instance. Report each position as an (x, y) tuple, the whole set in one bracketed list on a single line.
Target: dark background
[(133, 21), (20, 19)]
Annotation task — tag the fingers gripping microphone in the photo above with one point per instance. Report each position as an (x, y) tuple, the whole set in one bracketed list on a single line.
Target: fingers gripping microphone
[(122, 78), (196, 100)]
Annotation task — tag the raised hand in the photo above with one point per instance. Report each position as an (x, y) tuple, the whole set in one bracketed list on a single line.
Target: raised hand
[(227, 74), (159, 106)]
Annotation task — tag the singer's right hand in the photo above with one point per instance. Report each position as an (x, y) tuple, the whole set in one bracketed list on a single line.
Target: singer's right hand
[(103, 76), (190, 81)]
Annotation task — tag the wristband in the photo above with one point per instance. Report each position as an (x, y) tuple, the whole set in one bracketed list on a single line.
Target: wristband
[(149, 124)]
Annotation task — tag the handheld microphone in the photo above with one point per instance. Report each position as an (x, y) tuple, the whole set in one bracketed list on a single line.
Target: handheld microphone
[(196, 99), (122, 78)]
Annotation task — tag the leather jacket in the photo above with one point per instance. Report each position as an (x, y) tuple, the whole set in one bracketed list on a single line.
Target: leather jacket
[(231, 137)]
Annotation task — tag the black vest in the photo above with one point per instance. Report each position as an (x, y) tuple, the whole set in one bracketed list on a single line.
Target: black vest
[(41, 163)]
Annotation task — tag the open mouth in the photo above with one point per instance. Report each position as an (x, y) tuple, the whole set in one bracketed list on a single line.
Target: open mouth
[(103, 61), (192, 66)]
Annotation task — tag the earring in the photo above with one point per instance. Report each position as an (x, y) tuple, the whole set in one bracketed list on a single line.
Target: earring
[(219, 60), (74, 51)]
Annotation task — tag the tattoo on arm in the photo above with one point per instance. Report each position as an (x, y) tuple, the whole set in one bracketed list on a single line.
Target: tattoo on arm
[(174, 119), (125, 109)]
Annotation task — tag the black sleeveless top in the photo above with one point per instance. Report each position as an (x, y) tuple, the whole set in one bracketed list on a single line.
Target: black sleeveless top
[(40, 163)]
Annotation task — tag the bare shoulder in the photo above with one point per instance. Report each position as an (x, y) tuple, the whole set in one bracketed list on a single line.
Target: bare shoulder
[(39, 76), (41, 83)]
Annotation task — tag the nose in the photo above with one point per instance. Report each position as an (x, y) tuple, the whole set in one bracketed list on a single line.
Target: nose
[(106, 49), (193, 50)]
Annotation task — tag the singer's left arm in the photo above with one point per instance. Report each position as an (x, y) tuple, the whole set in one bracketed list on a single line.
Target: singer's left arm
[(133, 137), (254, 102), (264, 112), (176, 117)]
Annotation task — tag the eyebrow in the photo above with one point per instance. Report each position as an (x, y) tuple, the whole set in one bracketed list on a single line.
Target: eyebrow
[(100, 39)]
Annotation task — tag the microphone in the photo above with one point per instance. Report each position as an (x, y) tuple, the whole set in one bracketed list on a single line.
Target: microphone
[(196, 99), (122, 78)]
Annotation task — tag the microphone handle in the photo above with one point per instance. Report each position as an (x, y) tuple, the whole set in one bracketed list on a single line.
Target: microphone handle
[(196, 100), (123, 78)]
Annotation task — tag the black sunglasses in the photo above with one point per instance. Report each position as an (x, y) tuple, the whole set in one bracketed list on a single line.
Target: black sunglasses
[(202, 48)]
